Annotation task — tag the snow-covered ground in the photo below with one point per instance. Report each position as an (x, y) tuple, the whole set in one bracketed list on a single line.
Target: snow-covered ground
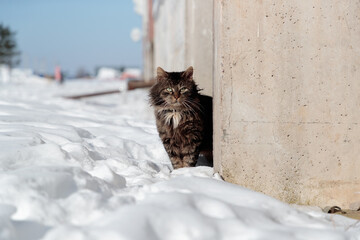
[(96, 169)]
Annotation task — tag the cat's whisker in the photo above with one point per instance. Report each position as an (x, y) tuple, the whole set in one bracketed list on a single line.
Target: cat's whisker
[(198, 108), (157, 103), (193, 111), (188, 103), (193, 105), (187, 106), (196, 104)]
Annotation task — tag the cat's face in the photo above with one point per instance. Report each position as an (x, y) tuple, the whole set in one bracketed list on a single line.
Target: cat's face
[(173, 89)]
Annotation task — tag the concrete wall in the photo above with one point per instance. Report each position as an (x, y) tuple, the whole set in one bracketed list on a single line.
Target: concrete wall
[(148, 40), (183, 38), (144, 9), (169, 35), (287, 98), (199, 42)]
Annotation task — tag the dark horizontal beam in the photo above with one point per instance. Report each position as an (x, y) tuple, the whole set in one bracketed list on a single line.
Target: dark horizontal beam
[(131, 86), (92, 94)]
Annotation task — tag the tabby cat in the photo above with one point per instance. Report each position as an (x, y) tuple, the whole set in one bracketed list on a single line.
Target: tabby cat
[(183, 117)]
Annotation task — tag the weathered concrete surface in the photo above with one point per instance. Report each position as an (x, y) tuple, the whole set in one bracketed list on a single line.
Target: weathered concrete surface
[(144, 9), (199, 42), (169, 35), (183, 38), (287, 98)]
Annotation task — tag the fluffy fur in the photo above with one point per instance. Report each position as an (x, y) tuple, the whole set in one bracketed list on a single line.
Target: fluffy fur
[(183, 117)]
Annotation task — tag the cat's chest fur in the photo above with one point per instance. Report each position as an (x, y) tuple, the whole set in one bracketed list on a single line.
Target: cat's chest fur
[(172, 117)]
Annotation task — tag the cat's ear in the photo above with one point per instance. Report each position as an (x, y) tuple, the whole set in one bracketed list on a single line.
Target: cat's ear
[(188, 73), (161, 73)]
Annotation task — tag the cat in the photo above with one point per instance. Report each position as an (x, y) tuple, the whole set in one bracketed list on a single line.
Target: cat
[(183, 117)]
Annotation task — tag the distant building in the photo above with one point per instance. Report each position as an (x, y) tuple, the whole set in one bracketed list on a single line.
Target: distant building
[(131, 74), (107, 73), (112, 73)]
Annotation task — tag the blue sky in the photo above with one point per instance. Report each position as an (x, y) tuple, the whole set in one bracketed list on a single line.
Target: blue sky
[(73, 33)]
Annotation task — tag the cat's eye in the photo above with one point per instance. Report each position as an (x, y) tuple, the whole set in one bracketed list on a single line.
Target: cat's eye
[(169, 90), (183, 90)]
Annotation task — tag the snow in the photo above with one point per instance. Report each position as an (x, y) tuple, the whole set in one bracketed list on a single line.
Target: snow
[(106, 73), (96, 169), (4, 73)]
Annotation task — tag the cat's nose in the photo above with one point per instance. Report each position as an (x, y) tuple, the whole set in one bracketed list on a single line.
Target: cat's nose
[(176, 96)]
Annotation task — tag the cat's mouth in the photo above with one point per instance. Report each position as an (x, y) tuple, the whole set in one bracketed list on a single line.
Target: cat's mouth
[(176, 104)]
